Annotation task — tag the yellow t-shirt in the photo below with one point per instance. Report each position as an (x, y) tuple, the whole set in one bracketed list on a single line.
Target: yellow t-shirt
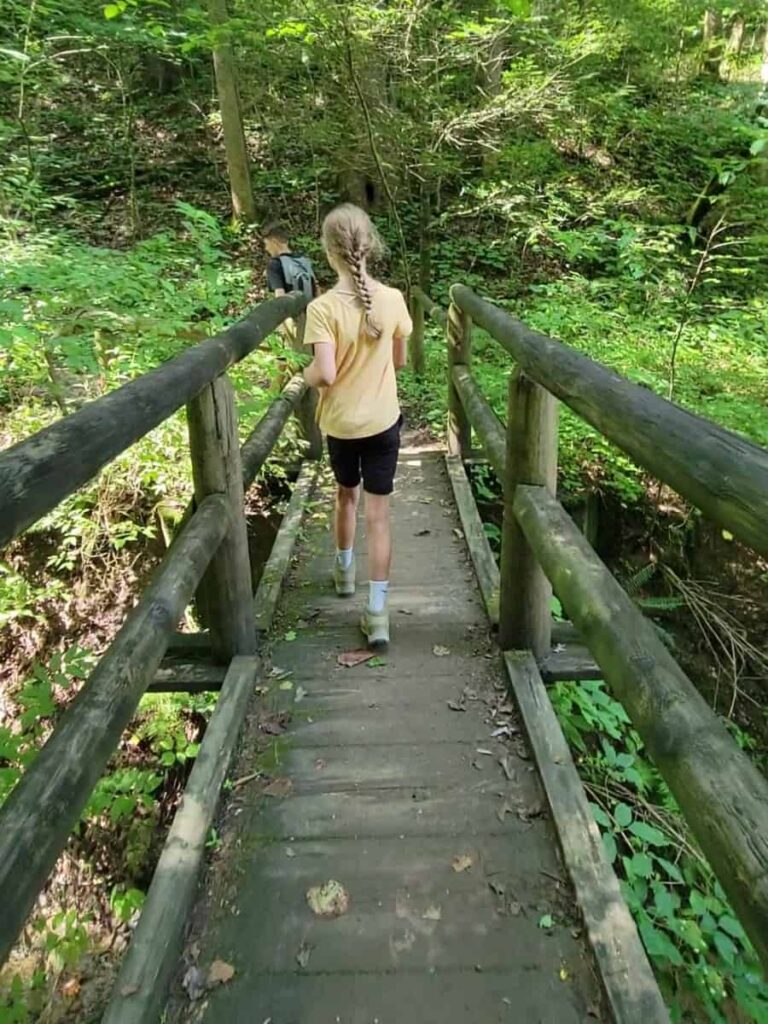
[(363, 399)]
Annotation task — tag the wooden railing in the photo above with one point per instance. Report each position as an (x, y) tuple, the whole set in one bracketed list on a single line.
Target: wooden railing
[(207, 559), (722, 795)]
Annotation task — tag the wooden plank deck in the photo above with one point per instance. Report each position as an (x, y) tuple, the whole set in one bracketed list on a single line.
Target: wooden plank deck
[(389, 786)]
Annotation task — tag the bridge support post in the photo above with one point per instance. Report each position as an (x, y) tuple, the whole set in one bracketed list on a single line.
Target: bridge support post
[(459, 345), (225, 595), (525, 614)]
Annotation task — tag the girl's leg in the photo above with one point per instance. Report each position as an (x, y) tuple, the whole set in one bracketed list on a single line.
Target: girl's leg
[(345, 519), (379, 537)]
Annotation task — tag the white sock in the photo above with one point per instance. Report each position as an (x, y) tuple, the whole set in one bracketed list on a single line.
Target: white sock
[(344, 557), (377, 595)]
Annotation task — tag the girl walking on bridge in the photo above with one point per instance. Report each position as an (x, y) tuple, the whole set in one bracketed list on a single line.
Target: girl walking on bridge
[(359, 332)]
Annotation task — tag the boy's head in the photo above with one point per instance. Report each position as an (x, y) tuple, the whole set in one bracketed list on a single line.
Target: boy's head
[(275, 238)]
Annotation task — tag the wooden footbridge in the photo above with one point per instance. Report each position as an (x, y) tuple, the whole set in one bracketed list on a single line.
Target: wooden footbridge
[(406, 839)]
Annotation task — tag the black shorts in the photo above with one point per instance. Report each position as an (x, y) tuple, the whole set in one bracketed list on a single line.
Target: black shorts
[(374, 459)]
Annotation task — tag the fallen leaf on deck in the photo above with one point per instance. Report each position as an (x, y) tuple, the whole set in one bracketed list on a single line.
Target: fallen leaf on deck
[(456, 705), (530, 812), (279, 673), (320, 764), (304, 953), (503, 811), (482, 750), (564, 975), (514, 909), (290, 636), (271, 728), (546, 921), (504, 730), (193, 983), (404, 611), (441, 652), (498, 887), (462, 862), (290, 852), (280, 787), (351, 658), (129, 990), (377, 662), (422, 533), (458, 533), (432, 913), (301, 693), (506, 763), (220, 972), (328, 900), (287, 685)]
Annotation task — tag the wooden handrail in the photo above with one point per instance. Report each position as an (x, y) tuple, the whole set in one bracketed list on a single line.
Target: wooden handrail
[(713, 468), (431, 308), (721, 793), (38, 816), (38, 473)]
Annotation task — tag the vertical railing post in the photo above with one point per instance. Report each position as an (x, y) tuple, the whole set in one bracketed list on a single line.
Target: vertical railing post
[(225, 594), (525, 615), (417, 337), (458, 330)]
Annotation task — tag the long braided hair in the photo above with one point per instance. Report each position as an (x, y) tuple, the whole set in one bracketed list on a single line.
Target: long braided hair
[(349, 236)]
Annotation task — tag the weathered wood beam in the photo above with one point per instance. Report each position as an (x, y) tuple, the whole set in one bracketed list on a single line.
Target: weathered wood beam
[(525, 615), (260, 442), (458, 336), (483, 419), (627, 977), (432, 309), (187, 677), (38, 816), (216, 469), (713, 468), (572, 663), (141, 988), (720, 791), (480, 552), (279, 559), (39, 472)]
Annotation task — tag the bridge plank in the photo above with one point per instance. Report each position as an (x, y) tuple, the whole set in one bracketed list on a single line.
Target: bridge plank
[(388, 786)]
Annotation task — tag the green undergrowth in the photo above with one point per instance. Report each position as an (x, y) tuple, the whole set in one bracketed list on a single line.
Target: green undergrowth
[(706, 966)]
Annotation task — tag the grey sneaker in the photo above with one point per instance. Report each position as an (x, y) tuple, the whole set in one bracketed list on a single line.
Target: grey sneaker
[(344, 579), (375, 626)]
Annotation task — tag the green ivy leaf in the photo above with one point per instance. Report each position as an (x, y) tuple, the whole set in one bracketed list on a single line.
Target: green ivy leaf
[(725, 947), (648, 833), (622, 815), (731, 926), (641, 865)]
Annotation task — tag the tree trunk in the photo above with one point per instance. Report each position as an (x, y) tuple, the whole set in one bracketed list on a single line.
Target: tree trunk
[(713, 43), (231, 120), (736, 41)]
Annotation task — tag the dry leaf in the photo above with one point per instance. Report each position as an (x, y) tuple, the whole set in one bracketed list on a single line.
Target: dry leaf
[(441, 652), (328, 900), (456, 705), (432, 913), (462, 862), (320, 764), (506, 763), (351, 658), (70, 988), (271, 728), (304, 953), (219, 973), (280, 787), (503, 811), (129, 990), (422, 533), (514, 909), (404, 611), (245, 778), (498, 887), (530, 812)]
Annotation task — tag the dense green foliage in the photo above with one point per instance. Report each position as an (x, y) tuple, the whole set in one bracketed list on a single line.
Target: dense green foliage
[(601, 169)]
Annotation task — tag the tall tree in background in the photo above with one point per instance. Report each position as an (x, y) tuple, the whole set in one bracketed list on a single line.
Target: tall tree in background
[(231, 119)]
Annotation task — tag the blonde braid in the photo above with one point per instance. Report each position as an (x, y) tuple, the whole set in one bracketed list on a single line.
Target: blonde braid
[(354, 260)]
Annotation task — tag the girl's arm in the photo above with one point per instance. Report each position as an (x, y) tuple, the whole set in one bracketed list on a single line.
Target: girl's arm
[(399, 350), (321, 372)]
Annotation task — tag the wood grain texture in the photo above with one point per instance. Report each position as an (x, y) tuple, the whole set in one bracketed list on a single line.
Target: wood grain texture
[(525, 616), (458, 335), (627, 977), (721, 793), (38, 816), (713, 468), (39, 472), (142, 983), (483, 419), (216, 469)]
